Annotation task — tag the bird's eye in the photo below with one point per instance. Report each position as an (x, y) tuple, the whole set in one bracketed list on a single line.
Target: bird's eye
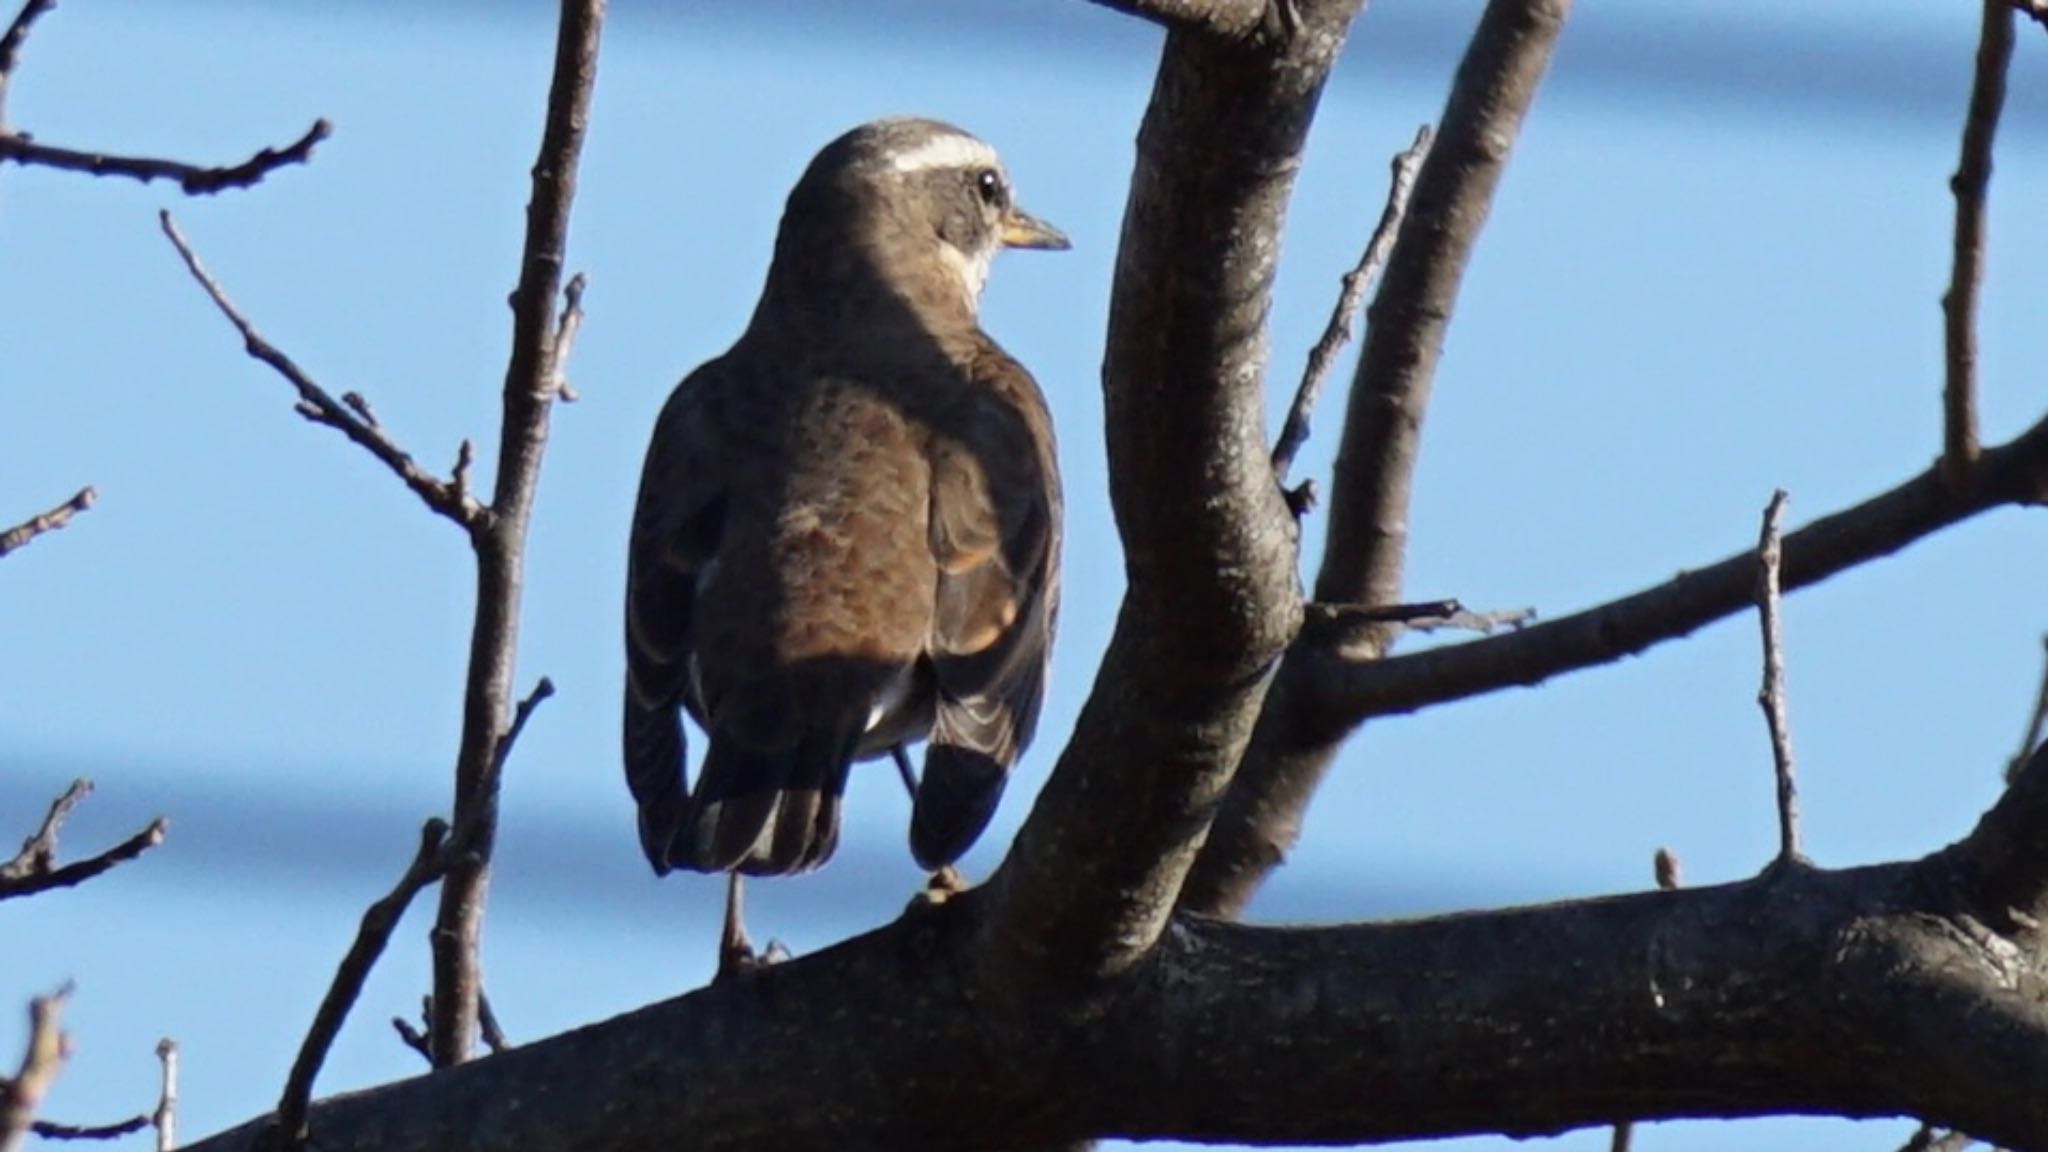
[(989, 185)]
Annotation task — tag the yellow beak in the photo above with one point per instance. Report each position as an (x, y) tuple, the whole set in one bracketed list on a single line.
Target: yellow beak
[(1023, 230)]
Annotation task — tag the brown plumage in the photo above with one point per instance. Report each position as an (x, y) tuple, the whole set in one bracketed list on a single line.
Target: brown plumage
[(848, 528)]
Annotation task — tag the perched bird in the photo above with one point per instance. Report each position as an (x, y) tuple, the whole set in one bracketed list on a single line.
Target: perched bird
[(848, 528)]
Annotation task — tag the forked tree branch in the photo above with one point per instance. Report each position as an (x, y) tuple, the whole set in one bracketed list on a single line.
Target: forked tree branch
[(1351, 691), (533, 382), (1212, 598), (1971, 184), (1373, 482), (35, 869), (351, 415)]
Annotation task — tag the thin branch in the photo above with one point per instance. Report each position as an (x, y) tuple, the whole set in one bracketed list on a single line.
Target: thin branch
[(2037, 724), (34, 869), (192, 179), (48, 1048), (1227, 18), (1352, 690), (566, 329), (487, 1024), (317, 405), (165, 1118), (1294, 431), (372, 936), (1966, 273), (52, 1130), (530, 390), (414, 1038), (50, 521), (1771, 695), (11, 42)]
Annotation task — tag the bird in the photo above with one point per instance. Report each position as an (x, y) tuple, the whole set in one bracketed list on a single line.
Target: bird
[(847, 533)]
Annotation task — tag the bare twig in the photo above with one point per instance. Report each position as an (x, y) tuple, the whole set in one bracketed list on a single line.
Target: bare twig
[(11, 42), (1666, 868), (379, 921), (192, 179), (1294, 431), (48, 1047), (565, 337), (165, 1118), (414, 1038), (1771, 696), (52, 1130), (1346, 626), (1966, 273), (317, 405), (34, 869), (528, 396), (50, 521), (487, 1024), (2037, 724)]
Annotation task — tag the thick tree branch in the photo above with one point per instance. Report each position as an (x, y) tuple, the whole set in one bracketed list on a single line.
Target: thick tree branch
[(533, 375), (2014, 473), (1406, 325), (191, 179), (1212, 597), (350, 416), (1227, 18), (1966, 272), (35, 869), (1735, 1000), (19, 535)]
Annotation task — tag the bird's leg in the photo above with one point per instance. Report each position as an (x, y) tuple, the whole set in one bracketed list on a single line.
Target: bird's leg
[(946, 881), (902, 757), (735, 951)]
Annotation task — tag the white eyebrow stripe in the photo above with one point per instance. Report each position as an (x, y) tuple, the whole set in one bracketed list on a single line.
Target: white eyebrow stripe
[(945, 152)]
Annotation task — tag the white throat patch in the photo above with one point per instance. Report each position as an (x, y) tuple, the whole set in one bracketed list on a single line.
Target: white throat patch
[(949, 150), (972, 270)]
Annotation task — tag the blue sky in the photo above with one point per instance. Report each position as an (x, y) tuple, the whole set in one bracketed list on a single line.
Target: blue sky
[(1713, 269)]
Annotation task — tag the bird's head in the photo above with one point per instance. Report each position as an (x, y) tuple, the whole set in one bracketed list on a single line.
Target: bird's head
[(927, 203)]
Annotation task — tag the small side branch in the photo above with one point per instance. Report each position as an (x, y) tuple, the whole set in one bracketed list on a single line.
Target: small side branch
[(165, 1118), (1294, 431), (191, 179), (11, 42), (1771, 696), (48, 1047), (353, 420), (50, 521), (34, 869), (372, 936), (566, 328), (52, 1130), (1971, 184)]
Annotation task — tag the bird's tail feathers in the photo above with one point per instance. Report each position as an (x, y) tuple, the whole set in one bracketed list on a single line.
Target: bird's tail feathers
[(767, 812)]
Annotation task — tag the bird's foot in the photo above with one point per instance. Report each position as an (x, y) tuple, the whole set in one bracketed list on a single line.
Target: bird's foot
[(940, 887)]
